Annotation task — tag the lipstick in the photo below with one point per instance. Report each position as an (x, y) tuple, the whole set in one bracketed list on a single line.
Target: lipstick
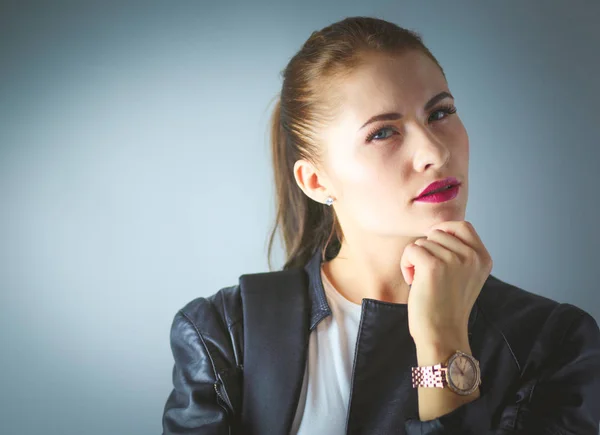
[(440, 191)]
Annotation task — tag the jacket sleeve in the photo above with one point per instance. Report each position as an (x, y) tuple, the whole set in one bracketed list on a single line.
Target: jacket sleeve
[(192, 406), (563, 397)]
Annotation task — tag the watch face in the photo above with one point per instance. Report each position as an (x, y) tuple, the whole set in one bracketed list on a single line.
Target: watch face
[(463, 374)]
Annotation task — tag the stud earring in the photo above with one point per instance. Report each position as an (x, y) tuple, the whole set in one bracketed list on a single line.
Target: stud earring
[(329, 201)]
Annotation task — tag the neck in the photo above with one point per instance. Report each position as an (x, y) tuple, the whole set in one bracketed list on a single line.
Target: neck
[(370, 270)]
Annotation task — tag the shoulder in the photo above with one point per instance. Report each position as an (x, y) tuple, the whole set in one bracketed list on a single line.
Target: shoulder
[(223, 310), (210, 326), (503, 303), (222, 307), (525, 319), (507, 304)]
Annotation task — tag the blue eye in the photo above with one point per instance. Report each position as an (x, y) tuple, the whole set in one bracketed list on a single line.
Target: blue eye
[(448, 110), (373, 134)]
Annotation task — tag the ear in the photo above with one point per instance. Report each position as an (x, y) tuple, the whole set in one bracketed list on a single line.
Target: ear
[(312, 181)]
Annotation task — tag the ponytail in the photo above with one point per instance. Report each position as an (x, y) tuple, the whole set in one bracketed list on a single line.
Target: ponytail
[(306, 225)]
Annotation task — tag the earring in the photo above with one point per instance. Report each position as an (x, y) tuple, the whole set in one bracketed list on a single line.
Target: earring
[(329, 201)]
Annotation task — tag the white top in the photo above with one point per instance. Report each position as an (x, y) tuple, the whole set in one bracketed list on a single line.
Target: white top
[(323, 404)]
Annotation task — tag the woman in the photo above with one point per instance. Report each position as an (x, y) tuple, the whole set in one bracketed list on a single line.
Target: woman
[(385, 319)]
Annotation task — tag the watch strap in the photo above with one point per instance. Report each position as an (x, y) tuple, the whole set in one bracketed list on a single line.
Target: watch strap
[(429, 376)]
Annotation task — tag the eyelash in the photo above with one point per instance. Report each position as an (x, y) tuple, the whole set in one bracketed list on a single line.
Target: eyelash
[(449, 109)]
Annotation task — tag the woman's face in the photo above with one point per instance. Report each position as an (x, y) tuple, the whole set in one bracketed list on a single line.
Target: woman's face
[(375, 169)]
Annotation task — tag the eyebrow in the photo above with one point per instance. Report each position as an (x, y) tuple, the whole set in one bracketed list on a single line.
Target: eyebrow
[(395, 115)]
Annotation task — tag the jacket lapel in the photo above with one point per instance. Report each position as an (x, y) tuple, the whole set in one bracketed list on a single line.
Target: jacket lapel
[(280, 309), (276, 329)]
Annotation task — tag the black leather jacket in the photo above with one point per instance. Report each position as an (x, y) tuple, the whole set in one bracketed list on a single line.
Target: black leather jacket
[(540, 363)]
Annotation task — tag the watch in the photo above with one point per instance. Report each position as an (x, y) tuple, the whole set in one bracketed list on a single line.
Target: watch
[(460, 373)]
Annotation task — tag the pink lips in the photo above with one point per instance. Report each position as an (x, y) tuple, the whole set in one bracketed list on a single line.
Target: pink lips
[(449, 189)]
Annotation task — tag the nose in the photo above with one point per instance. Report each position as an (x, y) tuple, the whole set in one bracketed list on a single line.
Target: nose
[(428, 149)]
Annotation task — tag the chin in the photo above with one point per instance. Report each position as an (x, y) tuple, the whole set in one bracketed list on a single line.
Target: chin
[(444, 214)]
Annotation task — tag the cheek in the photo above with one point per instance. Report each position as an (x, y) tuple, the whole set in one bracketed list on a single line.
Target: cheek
[(355, 178), (372, 193), (366, 175), (461, 138)]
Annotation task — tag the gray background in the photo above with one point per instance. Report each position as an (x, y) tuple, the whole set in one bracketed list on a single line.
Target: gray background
[(135, 174)]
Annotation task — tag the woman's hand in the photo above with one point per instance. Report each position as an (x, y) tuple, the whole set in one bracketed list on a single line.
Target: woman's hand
[(447, 271)]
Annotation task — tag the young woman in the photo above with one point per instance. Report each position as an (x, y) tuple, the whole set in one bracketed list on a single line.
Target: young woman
[(385, 318)]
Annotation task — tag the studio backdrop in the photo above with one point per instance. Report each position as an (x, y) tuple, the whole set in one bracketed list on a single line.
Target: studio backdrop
[(135, 174)]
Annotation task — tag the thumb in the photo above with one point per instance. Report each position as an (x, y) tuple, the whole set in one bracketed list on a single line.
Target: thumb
[(407, 266)]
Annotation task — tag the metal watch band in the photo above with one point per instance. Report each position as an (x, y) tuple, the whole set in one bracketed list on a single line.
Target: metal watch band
[(429, 376)]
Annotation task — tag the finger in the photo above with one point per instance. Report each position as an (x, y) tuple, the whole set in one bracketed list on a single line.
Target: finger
[(413, 257), (407, 264), (463, 230), (450, 242), (440, 252), (466, 233)]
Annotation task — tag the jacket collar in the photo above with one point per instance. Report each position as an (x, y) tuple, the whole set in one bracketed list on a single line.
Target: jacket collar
[(319, 308)]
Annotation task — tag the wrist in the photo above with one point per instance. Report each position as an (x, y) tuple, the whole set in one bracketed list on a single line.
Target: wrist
[(432, 352)]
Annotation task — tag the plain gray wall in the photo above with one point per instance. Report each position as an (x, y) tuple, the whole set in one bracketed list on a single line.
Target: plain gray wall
[(135, 174)]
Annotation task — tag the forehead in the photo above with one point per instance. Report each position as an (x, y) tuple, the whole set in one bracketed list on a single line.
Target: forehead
[(386, 82)]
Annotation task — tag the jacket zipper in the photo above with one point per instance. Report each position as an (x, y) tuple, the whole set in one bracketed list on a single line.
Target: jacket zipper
[(222, 403), (223, 397)]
